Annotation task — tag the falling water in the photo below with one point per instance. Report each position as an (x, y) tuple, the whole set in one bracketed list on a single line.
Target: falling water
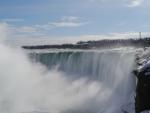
[(111, 70)]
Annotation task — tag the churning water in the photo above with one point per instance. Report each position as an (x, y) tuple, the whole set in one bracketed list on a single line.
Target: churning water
[(66, 81)]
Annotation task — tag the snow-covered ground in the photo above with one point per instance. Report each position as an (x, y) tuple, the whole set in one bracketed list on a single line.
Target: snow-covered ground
[(143, 58)]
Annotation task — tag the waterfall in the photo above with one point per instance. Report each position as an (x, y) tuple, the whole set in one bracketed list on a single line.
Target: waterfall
[(63, 81), (111, 69)]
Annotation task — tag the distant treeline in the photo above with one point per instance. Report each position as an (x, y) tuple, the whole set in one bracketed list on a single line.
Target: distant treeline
[(142, 42)]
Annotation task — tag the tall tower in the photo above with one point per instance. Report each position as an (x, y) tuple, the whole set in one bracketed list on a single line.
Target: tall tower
[(140, 35)]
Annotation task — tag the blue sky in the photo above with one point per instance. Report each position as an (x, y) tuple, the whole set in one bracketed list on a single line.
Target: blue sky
[(72, 18)]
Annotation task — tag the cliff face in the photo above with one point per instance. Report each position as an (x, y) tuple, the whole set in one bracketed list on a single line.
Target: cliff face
[(142, 99), (145, 42)]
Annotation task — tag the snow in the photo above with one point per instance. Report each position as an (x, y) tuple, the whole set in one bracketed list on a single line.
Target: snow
[(143, 60)]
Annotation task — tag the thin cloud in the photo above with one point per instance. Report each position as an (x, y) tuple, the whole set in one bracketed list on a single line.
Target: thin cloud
[(127, 3), (69, 21), (27, 29), (135, 3), (66, 24), (13, 20), (70, 18), (43, 29)]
